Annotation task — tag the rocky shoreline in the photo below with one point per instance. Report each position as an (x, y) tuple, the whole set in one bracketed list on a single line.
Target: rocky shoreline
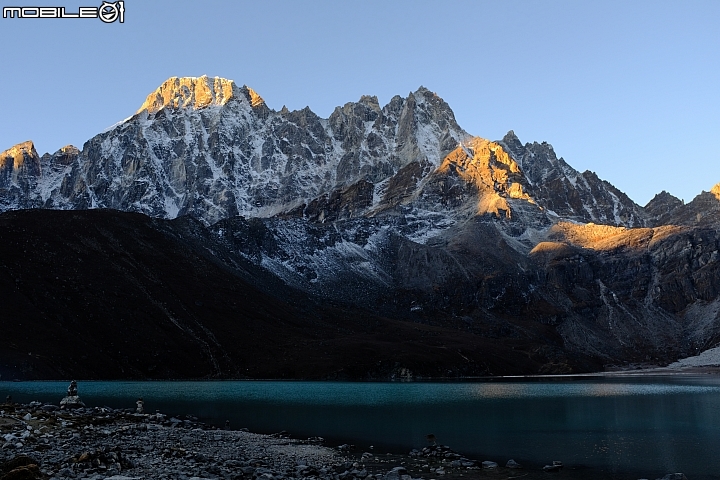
[(101, 443), (44, 441)]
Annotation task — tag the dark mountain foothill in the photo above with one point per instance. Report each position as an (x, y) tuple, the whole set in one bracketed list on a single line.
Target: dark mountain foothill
[(209, 236), (107, 294)]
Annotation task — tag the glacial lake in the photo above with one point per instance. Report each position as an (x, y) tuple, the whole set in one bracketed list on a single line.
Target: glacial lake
[(624, 426)]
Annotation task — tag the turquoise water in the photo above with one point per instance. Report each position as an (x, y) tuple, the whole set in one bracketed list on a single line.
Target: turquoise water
[(638, 424)]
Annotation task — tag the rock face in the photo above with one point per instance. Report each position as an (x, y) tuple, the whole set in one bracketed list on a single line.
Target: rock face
[(703, 210), (192, 93), (569, 194), (397, 211), (660, 209), (29, 181), (19, 174)]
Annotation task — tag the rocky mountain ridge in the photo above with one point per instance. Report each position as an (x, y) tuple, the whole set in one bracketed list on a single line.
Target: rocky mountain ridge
[(208, 148), (398, 212)]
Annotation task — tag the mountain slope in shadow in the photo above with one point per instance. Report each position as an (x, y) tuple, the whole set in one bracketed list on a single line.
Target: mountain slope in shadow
[(102, 294)]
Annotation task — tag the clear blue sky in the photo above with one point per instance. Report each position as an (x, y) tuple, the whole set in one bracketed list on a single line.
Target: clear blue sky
[(630, 90)]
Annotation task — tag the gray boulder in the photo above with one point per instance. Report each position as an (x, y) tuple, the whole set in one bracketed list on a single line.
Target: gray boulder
[(71, 401), (397, 473)]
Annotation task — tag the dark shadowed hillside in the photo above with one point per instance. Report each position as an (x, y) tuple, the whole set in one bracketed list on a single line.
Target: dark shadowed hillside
[(104, 294)]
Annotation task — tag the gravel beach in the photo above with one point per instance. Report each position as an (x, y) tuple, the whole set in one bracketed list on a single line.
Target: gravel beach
[(100, 443), (42, 441)]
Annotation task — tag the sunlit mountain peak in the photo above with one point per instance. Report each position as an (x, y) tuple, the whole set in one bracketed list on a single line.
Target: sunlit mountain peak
[(195, 93)]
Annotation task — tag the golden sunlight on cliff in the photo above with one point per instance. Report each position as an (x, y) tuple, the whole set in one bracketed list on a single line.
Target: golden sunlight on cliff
[(584, 235), (190, 92), (493, 203), (18, 154), (606, 237), (491, 170), (255, 99), (551, 250), (69, 149), (716, 191)]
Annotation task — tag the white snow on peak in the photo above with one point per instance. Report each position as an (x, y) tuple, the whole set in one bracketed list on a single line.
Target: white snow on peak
[(115, 125)]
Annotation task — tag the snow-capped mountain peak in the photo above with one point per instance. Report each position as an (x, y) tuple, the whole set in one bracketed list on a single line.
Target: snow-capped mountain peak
[(195, 93), (205, 147)]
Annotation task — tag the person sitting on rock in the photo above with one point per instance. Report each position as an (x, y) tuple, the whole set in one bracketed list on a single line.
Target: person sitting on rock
[(72, 389)]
